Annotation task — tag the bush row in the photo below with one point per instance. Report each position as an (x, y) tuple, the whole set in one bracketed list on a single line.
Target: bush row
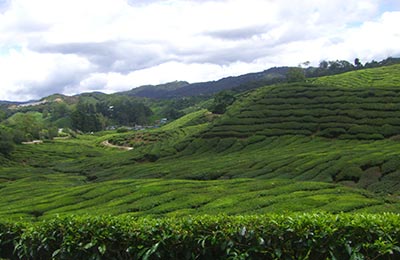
[(328, 130), (256, 119), (301, 236), (357, 113), (365, 113)]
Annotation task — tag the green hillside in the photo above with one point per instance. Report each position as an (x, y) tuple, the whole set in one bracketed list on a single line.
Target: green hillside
[(60, 194), (307, 146), (334, 107), (387, 76)]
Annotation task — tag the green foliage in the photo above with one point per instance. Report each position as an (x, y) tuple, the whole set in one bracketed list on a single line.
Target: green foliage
[(331, 68), (356, 105), (173, 113), (295, 74), (27, 127), (3, 114), (60, 110), (39, 192), (6, 141), (6, 147), (221, 101), (124, 111), (89, 112), (122, 130), (196, 118), (175, 108), (29, 124), (300, 236), (85, 118), (377, 77), (327, 145)]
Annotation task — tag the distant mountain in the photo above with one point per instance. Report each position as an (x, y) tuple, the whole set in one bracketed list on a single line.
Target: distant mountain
[(10, 103), (156, 91), (212, 87), (4, 102), (184, 89)]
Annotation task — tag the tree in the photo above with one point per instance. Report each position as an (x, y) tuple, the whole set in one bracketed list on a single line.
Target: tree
[(6, 147), (357, 63), (29, 124), (372, 64), (172, 113), (3, 115), (339, 66), (59, 110), (6, 141), (92, 116), (323, 65), (128, 112), (221, 101), (295, 74)]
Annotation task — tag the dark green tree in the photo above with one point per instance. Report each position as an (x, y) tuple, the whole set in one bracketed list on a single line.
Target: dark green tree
[(128, 112), (3, 114), (295, 74), (59, 110), (172, 113), (28, 124), (6, 141), (221, 101), (323, 65), (85, 118), (358, 63)]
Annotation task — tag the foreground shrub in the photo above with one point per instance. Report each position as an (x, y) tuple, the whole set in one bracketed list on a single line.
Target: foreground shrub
[(302, 236)]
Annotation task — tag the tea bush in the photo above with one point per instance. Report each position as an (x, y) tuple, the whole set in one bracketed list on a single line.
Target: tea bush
[(301, 236)]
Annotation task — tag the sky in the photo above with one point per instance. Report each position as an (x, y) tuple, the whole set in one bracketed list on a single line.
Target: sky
[(75, 46)]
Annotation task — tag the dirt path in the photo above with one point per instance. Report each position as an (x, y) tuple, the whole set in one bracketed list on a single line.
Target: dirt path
[(33, 142), (108, 144)]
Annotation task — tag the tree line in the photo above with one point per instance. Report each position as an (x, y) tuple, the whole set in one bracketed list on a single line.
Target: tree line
[(90, 117), (44, 121), (326, 68)]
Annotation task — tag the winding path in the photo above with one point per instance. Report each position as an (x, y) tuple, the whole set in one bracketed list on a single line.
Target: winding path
[(108, 144)]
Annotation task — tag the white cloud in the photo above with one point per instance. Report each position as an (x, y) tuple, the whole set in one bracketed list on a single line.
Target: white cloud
[(374, 39), (72, 46), (26, 74)]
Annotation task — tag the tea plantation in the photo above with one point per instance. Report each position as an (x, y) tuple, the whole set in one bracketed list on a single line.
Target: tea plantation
[(326, 147)]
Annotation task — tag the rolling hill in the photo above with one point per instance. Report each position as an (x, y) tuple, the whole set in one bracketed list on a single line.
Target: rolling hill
[(322, 145)]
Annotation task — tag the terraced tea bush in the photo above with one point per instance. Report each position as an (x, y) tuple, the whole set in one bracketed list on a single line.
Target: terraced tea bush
[(300, 236), (358, 104), (306, 110), (47, 196)]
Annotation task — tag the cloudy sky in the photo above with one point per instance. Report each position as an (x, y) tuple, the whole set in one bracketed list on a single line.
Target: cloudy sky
[(73, 46)]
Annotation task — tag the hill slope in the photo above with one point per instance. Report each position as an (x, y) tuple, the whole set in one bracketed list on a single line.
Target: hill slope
[(289, 147), (387, 76), (331, 107)]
